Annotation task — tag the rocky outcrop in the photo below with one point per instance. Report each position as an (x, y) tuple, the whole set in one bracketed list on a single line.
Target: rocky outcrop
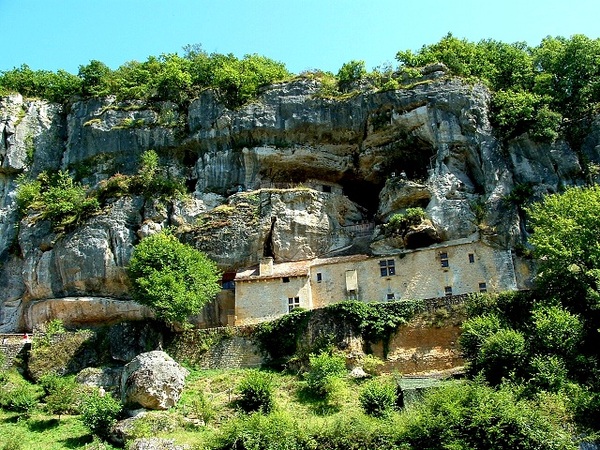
[(152, 380), (291, 175), (108, 378), (84, 311)]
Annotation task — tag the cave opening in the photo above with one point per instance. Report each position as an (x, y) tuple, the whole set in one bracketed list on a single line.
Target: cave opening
[(268, 247), (363, 193)]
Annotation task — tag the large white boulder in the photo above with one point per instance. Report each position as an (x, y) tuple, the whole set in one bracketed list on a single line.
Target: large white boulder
[(152, 380)]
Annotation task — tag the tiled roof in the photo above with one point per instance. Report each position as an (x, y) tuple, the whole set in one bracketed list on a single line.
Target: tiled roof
[(287, 269)]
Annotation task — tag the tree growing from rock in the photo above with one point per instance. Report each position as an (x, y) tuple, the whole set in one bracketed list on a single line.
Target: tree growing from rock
[(172, 278)]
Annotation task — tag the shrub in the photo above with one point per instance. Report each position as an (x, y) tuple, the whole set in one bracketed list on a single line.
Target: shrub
[(99, 413), (172, 278), (401, 222), (474, 332), (57, 198), (473, 415), (371, 364), (556, 330), (61, 394), (22, 398), (324, 367), (502, 355), (548, 373), (377, 399), (277, 431), (256, 393), (351, 72), (203, 408)]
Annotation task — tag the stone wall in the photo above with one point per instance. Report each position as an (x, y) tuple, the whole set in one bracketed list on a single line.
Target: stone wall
[(13, 346), (217, 348), (429, 342)]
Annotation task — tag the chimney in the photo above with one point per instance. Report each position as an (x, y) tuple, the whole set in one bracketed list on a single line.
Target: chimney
[(265, 267)]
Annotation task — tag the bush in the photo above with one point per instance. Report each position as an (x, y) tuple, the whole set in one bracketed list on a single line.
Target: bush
[(400, 223), (256, 393), (475, 416), (61, 394), (323, 368), (556, 330), (378, 399), (172, 278), (351, 72), (203, 408), (502, 355), (277, 431), (57, 198), (371, 364), (21, 397), (474, 333), (100, 413), (548, 373)]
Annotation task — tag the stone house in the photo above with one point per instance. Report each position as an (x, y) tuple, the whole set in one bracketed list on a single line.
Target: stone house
[(270, 290)]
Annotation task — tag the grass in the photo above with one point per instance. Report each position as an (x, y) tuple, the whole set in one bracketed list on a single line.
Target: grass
[(181, 423), (42, 432), (206, 415)]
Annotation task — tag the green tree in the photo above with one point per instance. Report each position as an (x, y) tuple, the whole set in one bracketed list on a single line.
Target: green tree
[(95, 78), (566, 240), (56, 87), (172, 278), (502, 355), (351, 72), (569, 73)]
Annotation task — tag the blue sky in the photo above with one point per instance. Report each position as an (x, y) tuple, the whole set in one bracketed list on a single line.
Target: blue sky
[(307, 34)]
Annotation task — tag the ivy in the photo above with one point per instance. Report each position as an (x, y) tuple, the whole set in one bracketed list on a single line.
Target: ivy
[(375, 322), (279, 338)]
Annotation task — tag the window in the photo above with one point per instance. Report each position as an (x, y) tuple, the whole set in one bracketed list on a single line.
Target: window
[(293, 303), (448, 290), (482, 287), (286, 279), (228, 285), (471, 258), (391, 296), (444, 259), (351, 280), (387, 267), (319, 277)]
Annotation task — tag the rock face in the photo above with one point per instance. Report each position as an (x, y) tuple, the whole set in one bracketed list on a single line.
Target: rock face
[(82, 311), (290, 175), (152, 380)]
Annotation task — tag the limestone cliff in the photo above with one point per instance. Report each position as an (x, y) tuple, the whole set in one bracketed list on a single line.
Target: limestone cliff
[(291, 175)]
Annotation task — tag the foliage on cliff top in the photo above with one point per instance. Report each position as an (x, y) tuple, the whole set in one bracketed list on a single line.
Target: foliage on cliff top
[(547, 89), (172, 278), (166, 77)]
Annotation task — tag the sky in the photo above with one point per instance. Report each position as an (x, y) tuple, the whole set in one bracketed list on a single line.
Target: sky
[(306, 34)]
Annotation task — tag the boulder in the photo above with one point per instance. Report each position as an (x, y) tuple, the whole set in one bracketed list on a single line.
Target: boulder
[(106, 377), (152, 380)]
